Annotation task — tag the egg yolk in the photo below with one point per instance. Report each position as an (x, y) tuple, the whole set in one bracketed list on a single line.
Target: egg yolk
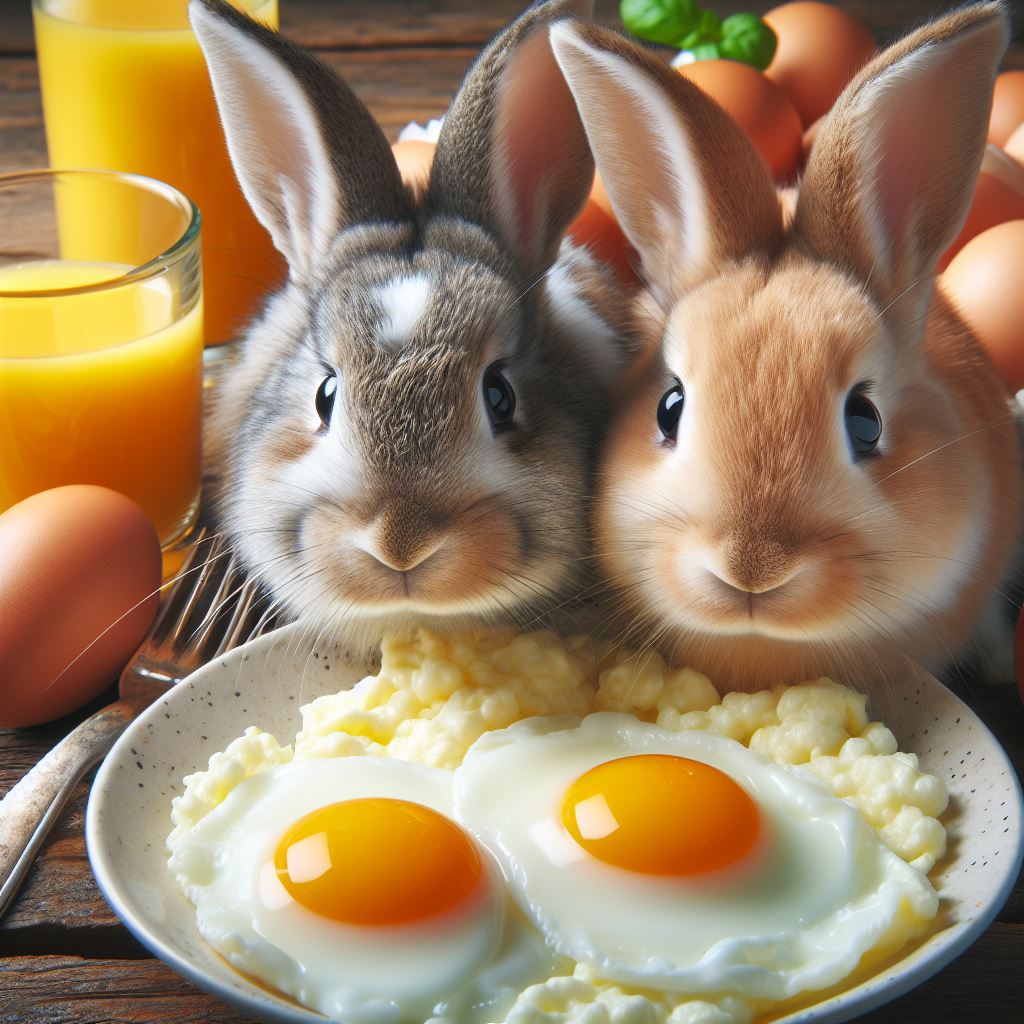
[(377, 861), (658, 814)]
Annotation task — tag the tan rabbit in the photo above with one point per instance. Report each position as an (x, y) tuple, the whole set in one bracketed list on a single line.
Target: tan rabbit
[(817, 470), (408, 432)]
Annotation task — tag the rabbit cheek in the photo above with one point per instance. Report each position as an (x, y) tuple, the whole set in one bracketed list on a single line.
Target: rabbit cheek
[(637, 513), (481, 555)]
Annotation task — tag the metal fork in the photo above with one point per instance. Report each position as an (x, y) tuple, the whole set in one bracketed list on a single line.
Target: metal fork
[(210, 608)]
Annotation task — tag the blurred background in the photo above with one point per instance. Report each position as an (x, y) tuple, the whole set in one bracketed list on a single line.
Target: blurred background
[(403, 57)]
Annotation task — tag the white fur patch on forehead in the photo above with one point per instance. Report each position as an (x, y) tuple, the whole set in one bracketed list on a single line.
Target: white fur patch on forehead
[(403, 301)]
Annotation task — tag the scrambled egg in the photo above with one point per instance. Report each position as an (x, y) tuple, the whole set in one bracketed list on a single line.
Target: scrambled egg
[(435, 696)]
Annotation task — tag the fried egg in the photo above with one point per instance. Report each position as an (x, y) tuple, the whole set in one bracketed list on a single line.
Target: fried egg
[(683, 861), (347, 885)]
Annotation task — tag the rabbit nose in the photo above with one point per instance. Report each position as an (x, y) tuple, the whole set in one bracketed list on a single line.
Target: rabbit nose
[(754, 570), (396, 549)]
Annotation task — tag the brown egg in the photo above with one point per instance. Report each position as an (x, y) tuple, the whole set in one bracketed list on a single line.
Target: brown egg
[(985, 282), (807, 142), (414, 158), (761, 107), (1015, 145), (80, 572), (1007, 107), (601, 234), (600, 196), (819, 51), (998, 197)]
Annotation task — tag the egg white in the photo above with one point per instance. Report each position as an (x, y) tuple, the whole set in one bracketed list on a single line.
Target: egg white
[(799, 917), (466, 965)]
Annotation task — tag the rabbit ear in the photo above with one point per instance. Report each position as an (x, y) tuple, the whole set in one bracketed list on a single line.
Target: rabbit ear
[(308, 154), (688, 187), (892, 173), (512, 156)]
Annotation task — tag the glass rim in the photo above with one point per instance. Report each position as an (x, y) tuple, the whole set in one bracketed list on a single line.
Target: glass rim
[(144, 271)]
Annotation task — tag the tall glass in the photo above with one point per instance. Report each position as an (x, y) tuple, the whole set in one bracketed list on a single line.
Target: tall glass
[(125, 88), (101, 340)]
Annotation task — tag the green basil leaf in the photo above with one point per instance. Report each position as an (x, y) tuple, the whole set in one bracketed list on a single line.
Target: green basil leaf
[(746, 38), (661, 21), (709, 26), (706, 51), (706, 30)]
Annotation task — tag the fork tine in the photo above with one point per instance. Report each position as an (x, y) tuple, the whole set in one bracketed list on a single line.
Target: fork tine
[(212, 566), (179, 589), (199, 637), (211, 607)]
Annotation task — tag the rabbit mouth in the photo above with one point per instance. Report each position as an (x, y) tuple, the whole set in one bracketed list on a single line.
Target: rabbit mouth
[(793, 602), (451, 578)]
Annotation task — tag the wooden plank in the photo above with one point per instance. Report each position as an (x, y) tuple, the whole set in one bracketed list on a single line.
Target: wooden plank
[(985, 985), (399, 85), (328, 25), (61, 909), (16, 29), (70, 990), (343, 24), (21, 748), (348, 24)]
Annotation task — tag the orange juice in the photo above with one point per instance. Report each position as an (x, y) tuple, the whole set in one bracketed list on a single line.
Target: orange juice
[(125, 88), (80, 404)]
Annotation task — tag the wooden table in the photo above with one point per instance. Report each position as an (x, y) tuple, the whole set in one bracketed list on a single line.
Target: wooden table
[(64, 957)]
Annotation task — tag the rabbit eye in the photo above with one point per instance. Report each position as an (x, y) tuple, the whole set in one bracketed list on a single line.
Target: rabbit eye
[(499, 397), (325, 398), (863, 424), (670, 408)]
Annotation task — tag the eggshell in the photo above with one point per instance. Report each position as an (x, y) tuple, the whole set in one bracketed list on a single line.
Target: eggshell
[(79, 582), (1015, 145), (985, 282), (601, 234), (414, 158), (761, 107), (1007, 107), (998, 197), (807, 142), (820, 49)]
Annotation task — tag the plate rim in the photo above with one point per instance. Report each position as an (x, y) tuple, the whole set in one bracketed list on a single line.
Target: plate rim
[(264, 1006), (875, 991)]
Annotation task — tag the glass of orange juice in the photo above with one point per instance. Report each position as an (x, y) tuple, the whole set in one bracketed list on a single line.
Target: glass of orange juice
[(125, 88), (101, 340)]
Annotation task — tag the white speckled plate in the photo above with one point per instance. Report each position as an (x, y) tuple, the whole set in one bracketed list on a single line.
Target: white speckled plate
[(264, 683)]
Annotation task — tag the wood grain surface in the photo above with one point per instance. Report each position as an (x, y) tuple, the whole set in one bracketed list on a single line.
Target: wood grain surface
[(64, 957)]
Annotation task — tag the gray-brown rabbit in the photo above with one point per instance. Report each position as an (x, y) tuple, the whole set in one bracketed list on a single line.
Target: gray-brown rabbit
[(407, 433)]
